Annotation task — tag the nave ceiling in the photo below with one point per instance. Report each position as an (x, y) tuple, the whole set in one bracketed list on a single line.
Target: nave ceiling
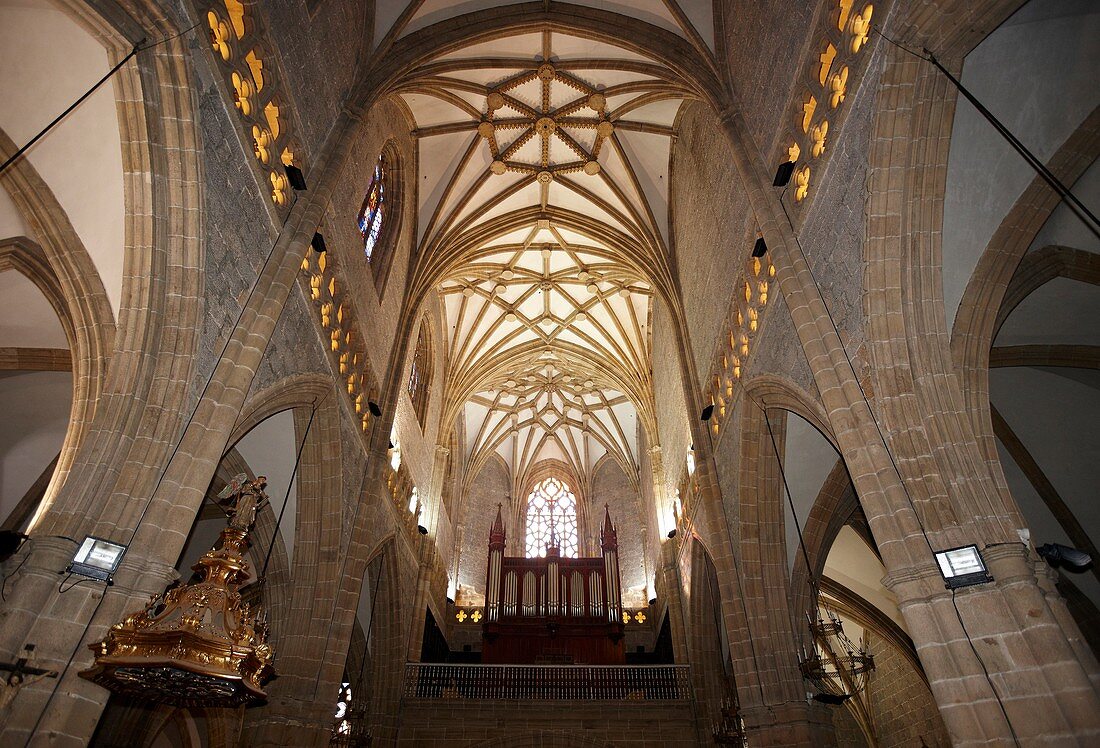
[(542, 210)]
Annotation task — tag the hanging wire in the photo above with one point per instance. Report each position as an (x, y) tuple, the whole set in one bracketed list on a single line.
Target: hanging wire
[(897, 470), (289, 484), (1071, 200), (790, 502), (56, 120)]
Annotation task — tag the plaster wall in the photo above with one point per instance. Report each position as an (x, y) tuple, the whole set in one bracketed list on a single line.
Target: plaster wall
[(270, 449), (35, 407), (808, 457), (854, 565), (1053, 412), (47, 61), (26, 318), (11, 221), (1063, 311), (1064, 228), (1037, 73)]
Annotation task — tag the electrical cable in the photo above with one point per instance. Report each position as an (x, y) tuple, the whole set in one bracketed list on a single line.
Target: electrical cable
[(286, 497), (15, 156), (4, 584), (56, 120), (1071, 200), (136, 48), (790, 502), (893, 463)]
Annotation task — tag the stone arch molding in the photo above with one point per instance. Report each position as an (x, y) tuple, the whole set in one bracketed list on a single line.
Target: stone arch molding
[(771, 391), (61, 267)]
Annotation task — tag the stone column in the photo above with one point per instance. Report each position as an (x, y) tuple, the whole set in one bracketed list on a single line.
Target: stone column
[(427, 551), (66, 622), (1038, 676)]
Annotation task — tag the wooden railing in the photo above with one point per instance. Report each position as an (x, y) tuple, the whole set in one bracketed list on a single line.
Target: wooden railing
[(547, 682)]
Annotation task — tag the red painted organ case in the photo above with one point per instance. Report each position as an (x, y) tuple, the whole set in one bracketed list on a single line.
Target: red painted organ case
[(553, 610)]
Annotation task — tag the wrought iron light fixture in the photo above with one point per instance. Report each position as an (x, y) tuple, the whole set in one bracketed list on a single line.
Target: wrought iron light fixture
[(730, 730), (199, 644), (835, 666)]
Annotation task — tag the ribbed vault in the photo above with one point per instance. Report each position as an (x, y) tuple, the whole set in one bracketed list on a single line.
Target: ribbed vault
[(543, 226)]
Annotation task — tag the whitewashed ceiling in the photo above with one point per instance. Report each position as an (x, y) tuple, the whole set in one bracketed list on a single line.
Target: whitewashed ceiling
[(543, 185), (691, 19)]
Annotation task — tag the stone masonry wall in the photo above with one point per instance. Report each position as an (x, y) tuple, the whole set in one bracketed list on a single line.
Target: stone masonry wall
[(610, 486), (714, 227), (672, 425), (491, 486), (904, 712), (322, 73), (772, 30)]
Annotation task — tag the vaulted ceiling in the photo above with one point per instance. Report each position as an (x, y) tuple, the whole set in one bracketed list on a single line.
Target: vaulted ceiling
[(542, 191)]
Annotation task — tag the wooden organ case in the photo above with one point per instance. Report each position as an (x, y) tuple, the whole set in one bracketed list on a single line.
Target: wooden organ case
[(553, 610)]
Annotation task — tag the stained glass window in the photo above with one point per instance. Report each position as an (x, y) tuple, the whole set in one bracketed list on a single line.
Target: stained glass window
[(551, 506), (372, 214)]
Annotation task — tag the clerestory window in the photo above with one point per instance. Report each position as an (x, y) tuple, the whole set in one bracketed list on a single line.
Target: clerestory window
[(373, 213)]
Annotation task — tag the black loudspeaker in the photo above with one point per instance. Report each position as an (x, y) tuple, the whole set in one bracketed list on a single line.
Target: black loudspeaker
[(374, 409), (318, 244), (10, 540), (760, 248), (707, 413), (783, 174), (296, 178)]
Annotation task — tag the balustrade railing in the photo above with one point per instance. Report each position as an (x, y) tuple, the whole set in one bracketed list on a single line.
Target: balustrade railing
[(547, 682)]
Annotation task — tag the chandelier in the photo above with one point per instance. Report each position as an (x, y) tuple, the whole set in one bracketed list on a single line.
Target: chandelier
[(837, 667), (199, 644), (730, 730), (353, 732)]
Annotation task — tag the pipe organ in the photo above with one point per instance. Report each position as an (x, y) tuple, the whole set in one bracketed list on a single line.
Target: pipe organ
[(553, 609)]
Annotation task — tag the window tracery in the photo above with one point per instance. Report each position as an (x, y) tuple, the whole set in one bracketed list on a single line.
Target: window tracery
[(551, 511), (420, 373), (372, 214)]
